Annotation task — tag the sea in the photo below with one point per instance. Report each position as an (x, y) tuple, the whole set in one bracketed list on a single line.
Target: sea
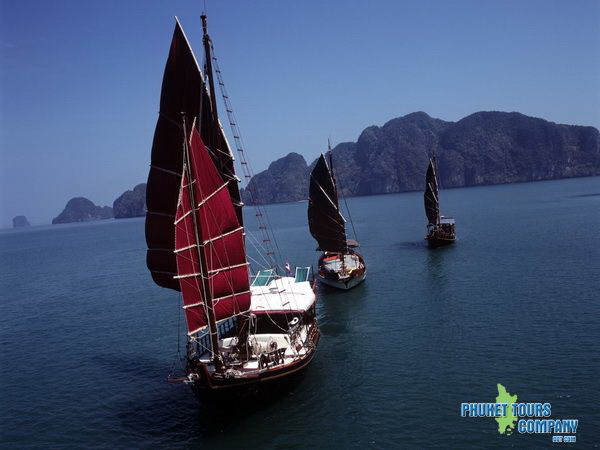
[(87, 340)]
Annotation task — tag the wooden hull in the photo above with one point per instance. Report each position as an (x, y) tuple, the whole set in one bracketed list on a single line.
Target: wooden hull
[(346, 284), (436, 240), (270, 381)]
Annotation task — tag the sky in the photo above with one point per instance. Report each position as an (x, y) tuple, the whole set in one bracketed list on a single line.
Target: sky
[(80, 80)]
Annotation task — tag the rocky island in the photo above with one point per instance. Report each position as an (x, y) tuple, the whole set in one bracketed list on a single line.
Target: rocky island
[(80, 209), (131, 203), (20, 222), (483, 148), (487, 147), (284, 181)]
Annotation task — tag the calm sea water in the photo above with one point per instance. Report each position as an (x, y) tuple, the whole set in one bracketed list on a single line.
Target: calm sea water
[(87, 339)]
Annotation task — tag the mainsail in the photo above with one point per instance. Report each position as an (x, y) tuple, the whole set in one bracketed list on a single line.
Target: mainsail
[(184, 93), (325, 220), (209, 243), (432, 205)]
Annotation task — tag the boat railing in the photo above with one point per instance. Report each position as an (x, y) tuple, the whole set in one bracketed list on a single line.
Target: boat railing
[(272, 358)]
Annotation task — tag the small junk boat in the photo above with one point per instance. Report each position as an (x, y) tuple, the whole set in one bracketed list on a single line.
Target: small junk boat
[(340, 266), (240, 335), (440, 229)]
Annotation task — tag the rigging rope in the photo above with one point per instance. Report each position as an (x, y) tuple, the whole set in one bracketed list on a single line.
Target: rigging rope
[(178, 357), (336, 183), (264, 223), (254, 243), (350, 217)]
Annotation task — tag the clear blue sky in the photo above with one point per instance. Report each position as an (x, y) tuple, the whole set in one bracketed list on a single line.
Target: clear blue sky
[(80, 80)]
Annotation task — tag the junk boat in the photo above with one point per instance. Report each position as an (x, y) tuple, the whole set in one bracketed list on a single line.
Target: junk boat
[(340, 265), (440, 229), (239, 334)]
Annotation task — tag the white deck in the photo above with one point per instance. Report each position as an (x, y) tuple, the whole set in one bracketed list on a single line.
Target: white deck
[(282, 294), (264, 343), (350, 261)]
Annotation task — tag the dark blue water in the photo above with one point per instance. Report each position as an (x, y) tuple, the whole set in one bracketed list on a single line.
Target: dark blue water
[(87, 339)]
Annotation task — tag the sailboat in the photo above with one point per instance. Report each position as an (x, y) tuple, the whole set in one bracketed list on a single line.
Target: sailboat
[(239, 334), (440, 229), (340, 265)]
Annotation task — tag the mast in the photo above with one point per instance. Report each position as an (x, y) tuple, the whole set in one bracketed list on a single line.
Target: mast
[(209, 246), (337, 198), (437, 186), (335, 184), (325, 220), (209, 72), (210, 312), (214, 136), (331, 171), (430, 197)]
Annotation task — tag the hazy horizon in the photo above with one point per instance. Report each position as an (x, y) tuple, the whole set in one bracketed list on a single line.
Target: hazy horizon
[(80, 82)]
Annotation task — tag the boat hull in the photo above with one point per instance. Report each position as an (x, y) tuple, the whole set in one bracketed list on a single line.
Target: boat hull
[(442, 233), (340, 279), (344, 284), (439, 241)]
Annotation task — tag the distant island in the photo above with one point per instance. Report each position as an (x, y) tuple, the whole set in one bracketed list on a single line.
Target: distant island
[(483, 148), (20, 222), (487, 147), (131, 203), (80, 209)]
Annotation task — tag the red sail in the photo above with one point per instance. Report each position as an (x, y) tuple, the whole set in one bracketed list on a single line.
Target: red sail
[(209, 243), (183, 92)]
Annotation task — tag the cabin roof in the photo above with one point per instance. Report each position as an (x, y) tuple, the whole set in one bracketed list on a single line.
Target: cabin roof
[(282, 294), (447, 220)]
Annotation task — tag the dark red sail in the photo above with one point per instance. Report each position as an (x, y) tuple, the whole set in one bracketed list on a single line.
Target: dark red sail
[(209, 243), (325, 220), (183, 93), (432, 205)]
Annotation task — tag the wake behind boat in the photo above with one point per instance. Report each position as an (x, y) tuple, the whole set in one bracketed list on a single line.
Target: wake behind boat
[(239, 335), (440, 229), (340, 266)]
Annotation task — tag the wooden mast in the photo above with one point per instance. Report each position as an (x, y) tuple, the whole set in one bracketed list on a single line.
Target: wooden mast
[(437, 183), (209, 73), (336, 193), (342, 256), (210, 312), (214, 338)]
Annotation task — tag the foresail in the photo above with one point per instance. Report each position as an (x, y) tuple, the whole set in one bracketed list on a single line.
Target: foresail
[(432, 206), (325, 221), (183, 93), (209, 243)]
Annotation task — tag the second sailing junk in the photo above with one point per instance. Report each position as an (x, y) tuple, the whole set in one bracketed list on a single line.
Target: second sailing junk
[(340, 265), (440, 229)]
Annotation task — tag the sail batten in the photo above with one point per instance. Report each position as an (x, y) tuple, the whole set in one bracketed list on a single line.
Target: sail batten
[(211, 259), (431, 196), (325, 221)]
